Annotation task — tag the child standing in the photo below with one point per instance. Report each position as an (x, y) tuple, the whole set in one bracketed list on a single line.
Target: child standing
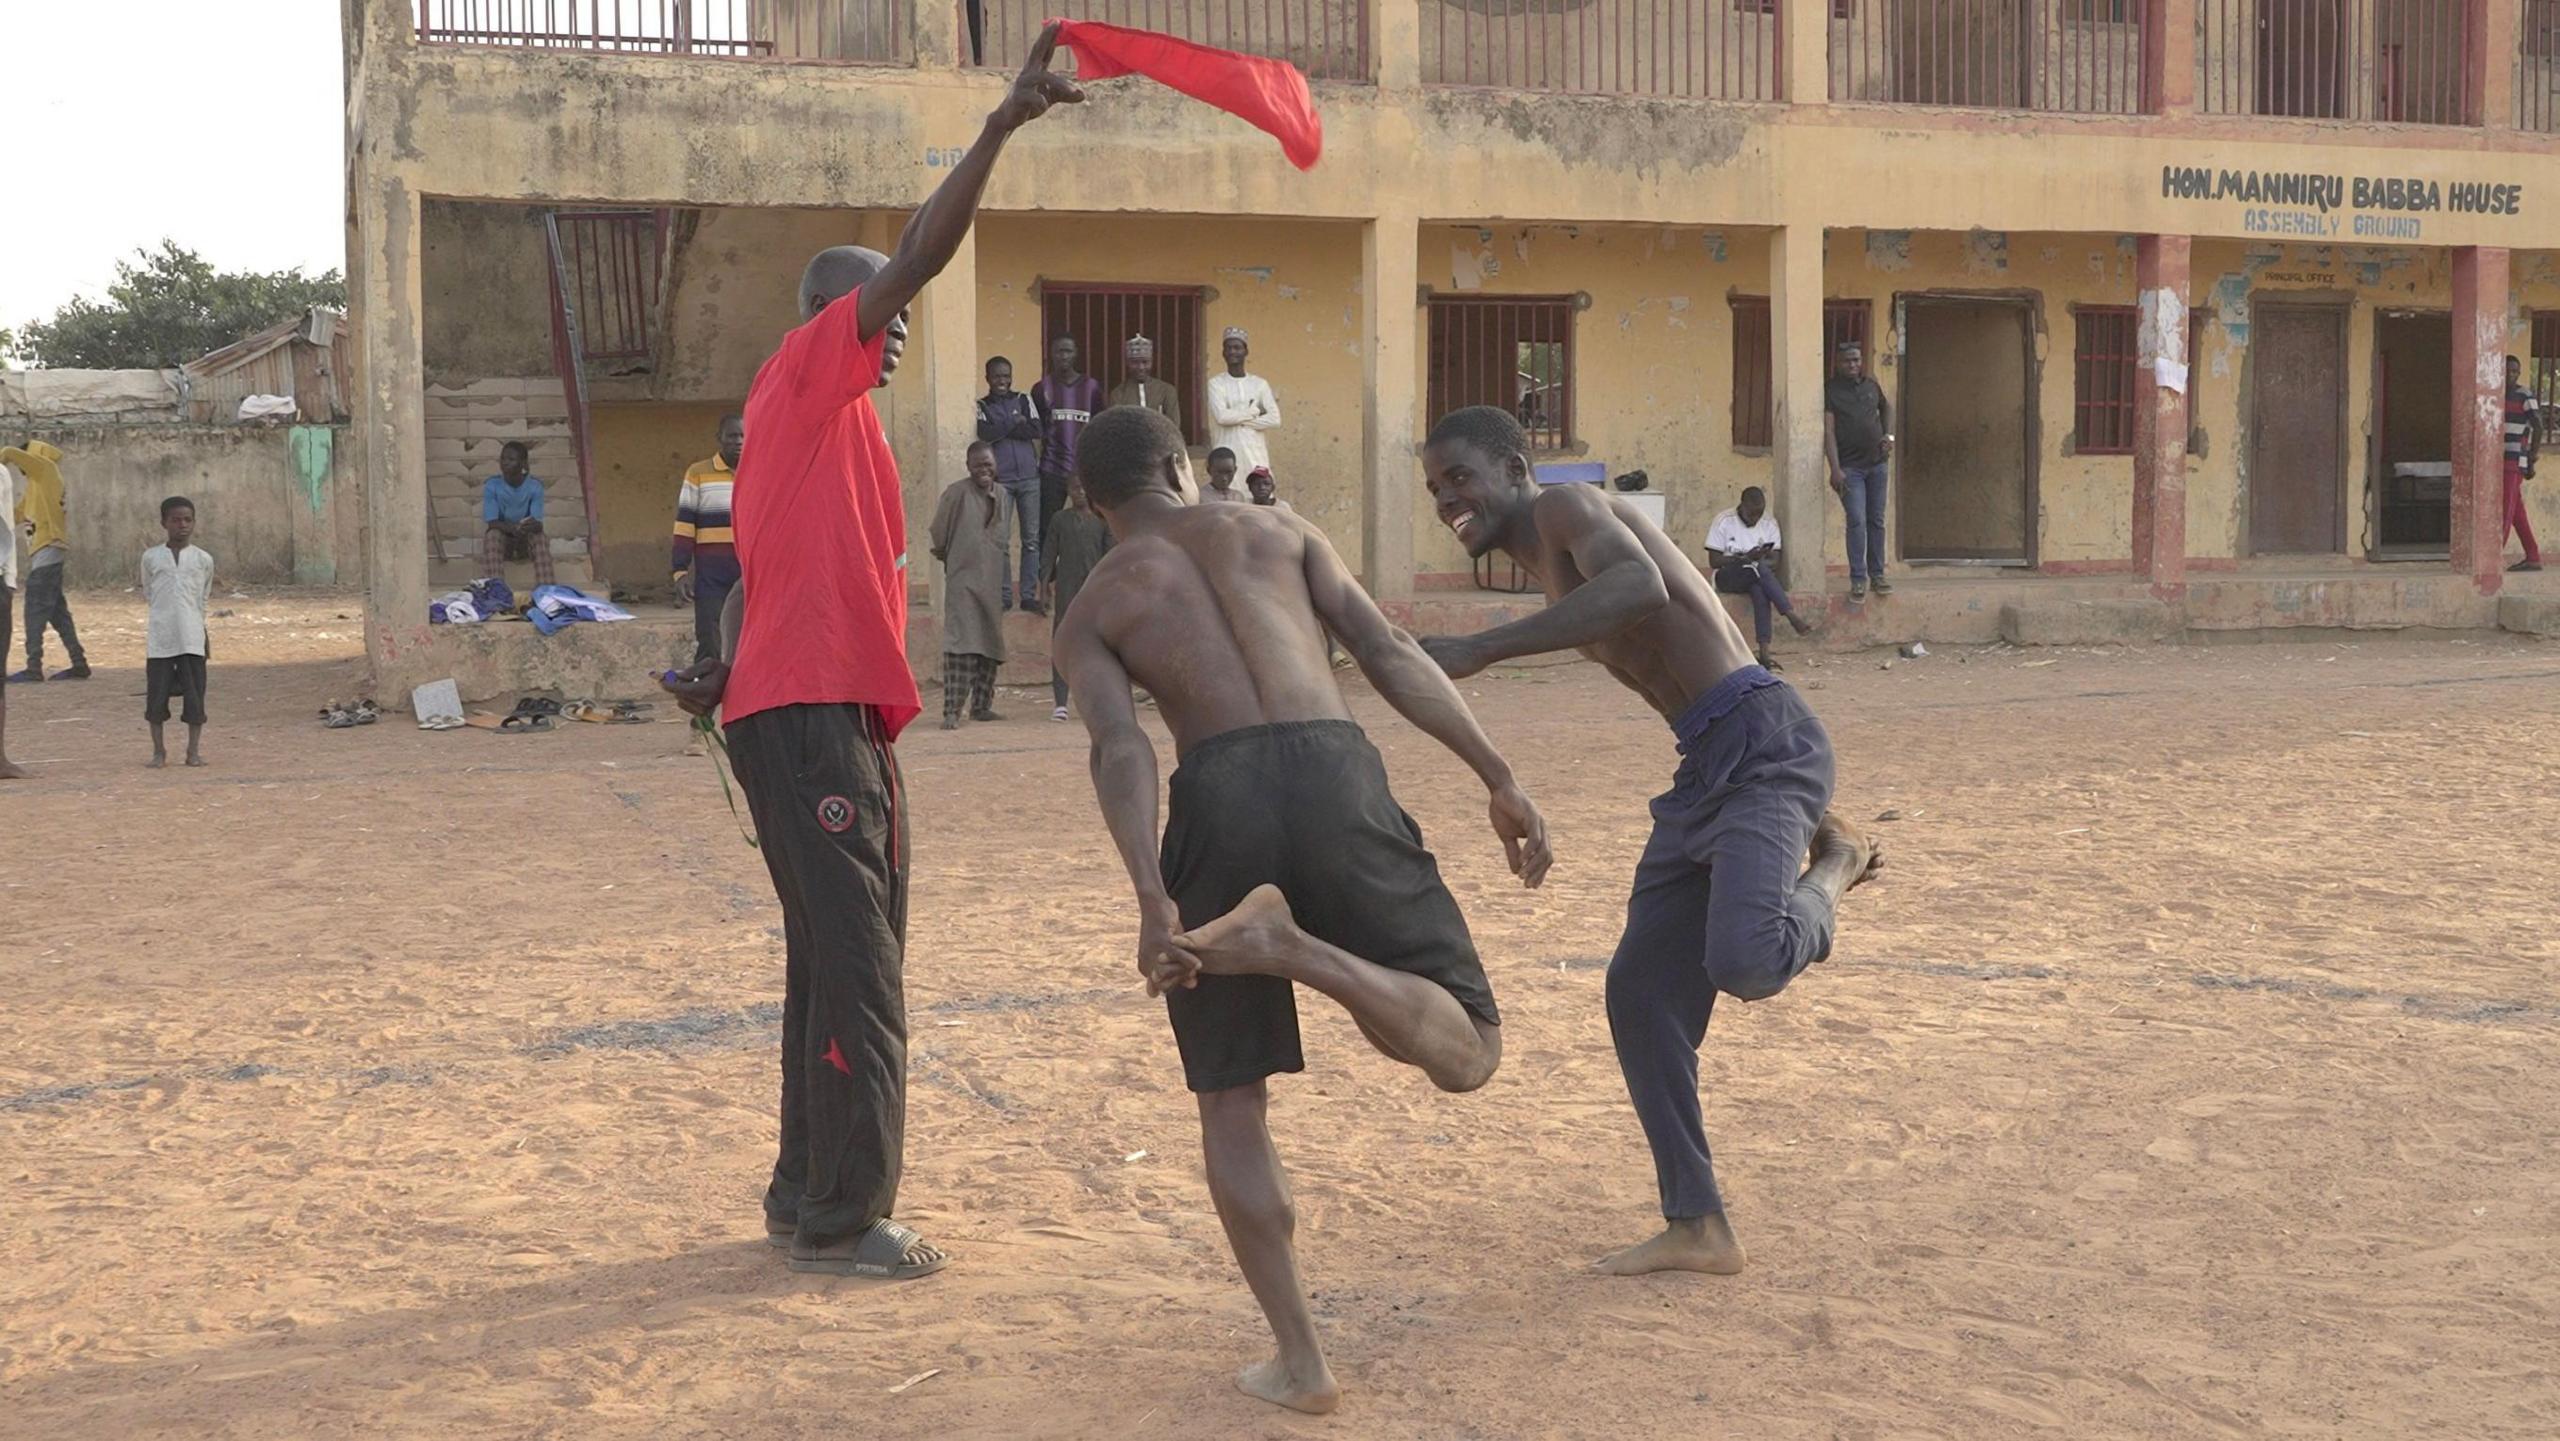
[(177, 581), (1070, 549)]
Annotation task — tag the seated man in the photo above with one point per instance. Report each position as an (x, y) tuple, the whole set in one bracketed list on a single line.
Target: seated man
[(511, 508), (1284, 858), (1742, 550)]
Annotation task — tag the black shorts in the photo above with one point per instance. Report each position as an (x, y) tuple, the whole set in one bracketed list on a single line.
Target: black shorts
[(1302, 806), (175, 675)]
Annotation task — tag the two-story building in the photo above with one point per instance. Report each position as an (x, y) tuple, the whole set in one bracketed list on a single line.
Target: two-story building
[(2191, 309)]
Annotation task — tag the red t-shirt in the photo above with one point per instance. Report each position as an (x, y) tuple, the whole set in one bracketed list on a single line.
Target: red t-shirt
[(822, 532)]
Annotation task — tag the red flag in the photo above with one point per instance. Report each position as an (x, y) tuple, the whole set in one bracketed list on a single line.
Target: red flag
[(1268, 94)]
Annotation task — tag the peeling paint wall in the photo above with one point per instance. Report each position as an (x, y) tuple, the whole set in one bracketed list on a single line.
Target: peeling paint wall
[(1653, 355)]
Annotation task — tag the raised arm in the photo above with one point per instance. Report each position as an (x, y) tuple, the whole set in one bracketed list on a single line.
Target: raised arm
[(1124, 781), (1409, 680), (934, 232), (1621, 587)]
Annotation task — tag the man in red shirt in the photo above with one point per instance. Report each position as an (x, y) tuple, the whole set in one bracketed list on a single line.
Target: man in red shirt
[(812, 692)]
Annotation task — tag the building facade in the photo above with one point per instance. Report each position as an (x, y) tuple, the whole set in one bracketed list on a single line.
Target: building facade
[(2200, 304)]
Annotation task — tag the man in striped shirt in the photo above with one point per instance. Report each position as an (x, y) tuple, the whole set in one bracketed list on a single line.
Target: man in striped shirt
[(706, 553), (2524, 447)]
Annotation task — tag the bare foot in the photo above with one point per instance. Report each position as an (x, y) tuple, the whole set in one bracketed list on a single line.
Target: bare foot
[(195, 760), (1836, 833), (1698, 1243), (1253, 939), (155, 763), (1273, 1382), (12, 771)]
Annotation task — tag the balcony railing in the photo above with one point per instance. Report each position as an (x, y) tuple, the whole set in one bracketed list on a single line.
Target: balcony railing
[(1673, 49), (1328, 39), (2080, 57), (842, 31), (2393, 60), (2538, 66)]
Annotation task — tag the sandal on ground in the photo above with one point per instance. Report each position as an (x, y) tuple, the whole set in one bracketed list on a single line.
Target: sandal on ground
[(522, 724), (366, 712), (337, 716), (886, 1252)]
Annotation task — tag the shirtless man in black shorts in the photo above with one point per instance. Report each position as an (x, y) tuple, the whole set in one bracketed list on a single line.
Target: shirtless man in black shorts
[(1284, 859), (1723, 898)]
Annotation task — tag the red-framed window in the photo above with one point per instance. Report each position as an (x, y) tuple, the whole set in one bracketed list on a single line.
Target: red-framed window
[(1843, 322), (2102, 390), (1511, 351), (1103, 318)]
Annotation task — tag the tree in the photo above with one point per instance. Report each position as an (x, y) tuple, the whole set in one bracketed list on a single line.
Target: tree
[(168, 306)]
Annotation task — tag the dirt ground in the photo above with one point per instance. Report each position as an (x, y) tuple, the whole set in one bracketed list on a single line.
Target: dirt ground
[(2190, 1075)]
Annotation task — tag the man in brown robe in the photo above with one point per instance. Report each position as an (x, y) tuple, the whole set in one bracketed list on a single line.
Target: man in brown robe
[(968, 538)]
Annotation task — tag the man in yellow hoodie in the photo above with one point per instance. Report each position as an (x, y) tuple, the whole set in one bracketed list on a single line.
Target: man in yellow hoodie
[(39, 516)]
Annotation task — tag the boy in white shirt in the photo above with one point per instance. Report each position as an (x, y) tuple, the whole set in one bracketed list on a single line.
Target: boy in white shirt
[(177, 581), (1740, 547)]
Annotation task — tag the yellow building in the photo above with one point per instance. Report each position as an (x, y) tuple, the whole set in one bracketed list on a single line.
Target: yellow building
[(2191, 312)]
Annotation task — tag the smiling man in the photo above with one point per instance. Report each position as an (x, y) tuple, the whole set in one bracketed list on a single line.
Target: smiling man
[(1723, 900), (813, 689)]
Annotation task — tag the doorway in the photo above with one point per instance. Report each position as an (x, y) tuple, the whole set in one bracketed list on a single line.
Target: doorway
[(2297, 428), (2412, 485), (1968, 423)]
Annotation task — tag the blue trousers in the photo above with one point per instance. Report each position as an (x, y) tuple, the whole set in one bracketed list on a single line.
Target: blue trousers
[(1863, 497), (1025, 495), (1752, 578), (1717, 906)]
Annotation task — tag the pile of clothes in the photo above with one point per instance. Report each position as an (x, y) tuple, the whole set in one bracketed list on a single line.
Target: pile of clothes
[(486, 600), (556, 607)]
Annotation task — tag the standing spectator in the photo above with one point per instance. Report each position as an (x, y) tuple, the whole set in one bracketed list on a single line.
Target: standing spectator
[(1009, 421), (2524, 448), (1222, 479), (968, 538), (39, 513), (177, 580), (1241, 406), (8, 605), (1857, 439), (511, 508), (1139, 385), (1078, 544), (1742, 547), (1264, 490), (706, 552), (1068, 400)]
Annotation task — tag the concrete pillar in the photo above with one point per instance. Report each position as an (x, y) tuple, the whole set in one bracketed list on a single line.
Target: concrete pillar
[(2160, 414), (2489, 61), (941, 37), (2479, 411), (1804, 57), (1395, 46), (1390, 368), (389, 429), (953, 377), (1799, 477), (2169, 58)]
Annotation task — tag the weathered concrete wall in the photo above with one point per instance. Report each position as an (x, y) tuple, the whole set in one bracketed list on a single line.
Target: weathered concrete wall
[(488, 287), (262, 523), (641, 452)]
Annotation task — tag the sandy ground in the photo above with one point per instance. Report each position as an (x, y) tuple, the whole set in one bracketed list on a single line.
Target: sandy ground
[(2191, 1075)]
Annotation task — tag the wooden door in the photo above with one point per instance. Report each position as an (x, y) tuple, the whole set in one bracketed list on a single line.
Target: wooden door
[(2297, 428)]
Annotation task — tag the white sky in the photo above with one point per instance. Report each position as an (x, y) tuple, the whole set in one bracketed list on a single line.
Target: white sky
[(215, 123)]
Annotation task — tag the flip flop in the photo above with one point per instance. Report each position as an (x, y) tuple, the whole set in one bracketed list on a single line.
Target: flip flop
[(585, 710), (522, 724), (366, 712), (881, 1254)]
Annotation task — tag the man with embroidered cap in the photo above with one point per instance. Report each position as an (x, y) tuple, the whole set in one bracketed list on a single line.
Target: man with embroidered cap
[(1242, 407), (1139, 385)]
